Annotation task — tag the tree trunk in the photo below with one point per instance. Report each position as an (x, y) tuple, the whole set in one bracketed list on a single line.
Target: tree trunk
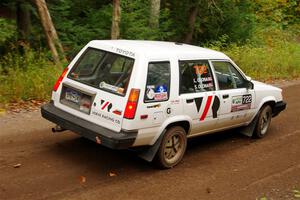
[(50, 32), (154, 13), (23, 21), (116, 18), (191, 24)]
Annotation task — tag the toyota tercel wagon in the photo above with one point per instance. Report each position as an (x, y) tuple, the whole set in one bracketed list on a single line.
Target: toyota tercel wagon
[(152, 96)]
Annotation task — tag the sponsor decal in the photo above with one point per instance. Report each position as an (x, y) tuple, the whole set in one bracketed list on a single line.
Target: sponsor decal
[(206, 108), (198, 102), (150, 93), (113, 88), (117, 112), (106, 117), (161, 96), (154, 106), (241, 102), (161, 89), (157, 93), (174, 102), (161, 93), (214, 106), (106, 104)]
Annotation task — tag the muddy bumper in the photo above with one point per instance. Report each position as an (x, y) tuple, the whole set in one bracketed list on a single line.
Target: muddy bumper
[(99, 134)]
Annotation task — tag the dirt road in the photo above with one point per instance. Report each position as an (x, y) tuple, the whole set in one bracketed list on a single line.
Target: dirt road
[(221, 166)]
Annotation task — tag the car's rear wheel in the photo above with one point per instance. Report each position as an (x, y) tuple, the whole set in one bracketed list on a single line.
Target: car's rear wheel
[(172, 147), (264, 121)]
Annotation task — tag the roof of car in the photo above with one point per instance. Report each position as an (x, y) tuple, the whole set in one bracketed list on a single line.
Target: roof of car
[(160, 49)]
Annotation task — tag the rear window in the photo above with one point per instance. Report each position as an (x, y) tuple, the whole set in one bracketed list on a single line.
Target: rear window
[(103, 70)]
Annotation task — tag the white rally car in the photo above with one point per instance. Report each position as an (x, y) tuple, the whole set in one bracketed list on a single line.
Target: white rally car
[(152, 96)]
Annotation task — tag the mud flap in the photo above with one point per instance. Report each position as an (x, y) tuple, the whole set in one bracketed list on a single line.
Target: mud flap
[(249, 130), (149, 153)]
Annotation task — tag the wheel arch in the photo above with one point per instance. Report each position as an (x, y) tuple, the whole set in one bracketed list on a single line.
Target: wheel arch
[(270, 100), (183, 121)]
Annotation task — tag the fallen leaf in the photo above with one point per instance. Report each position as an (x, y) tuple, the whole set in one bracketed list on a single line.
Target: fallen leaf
[(2, 112), (82, 179), (112, 174), (208, 190), (17, 165)]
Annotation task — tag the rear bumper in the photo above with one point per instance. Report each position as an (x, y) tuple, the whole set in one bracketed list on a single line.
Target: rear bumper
[(108, 138), (279, 106)]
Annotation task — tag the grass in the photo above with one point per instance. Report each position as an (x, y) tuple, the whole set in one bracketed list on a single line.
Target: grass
[(279, 61), (26, 77), (275, 55)]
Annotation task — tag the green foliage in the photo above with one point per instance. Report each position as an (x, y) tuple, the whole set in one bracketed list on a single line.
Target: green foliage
[(77, 22), (7, 30), (35, 81), (277, 58), (135, 22)]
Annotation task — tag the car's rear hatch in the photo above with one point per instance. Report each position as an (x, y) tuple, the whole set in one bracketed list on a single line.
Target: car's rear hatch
[(95, 88)]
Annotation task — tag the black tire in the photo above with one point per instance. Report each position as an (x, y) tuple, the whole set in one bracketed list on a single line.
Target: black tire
[(172, 148), (263, 122)]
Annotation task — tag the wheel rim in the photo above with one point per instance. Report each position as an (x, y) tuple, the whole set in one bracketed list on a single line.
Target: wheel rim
[(265, 122), (173, 148)]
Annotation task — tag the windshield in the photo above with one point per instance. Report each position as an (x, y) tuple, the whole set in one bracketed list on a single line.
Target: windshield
[(104, 70)]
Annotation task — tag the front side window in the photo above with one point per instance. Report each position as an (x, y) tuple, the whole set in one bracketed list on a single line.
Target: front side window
[(195, 76), (228, 76), (104, 70), (158, 82)]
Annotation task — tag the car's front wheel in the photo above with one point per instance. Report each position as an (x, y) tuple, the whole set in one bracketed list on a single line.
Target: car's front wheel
[(172, 147), (263, 123)]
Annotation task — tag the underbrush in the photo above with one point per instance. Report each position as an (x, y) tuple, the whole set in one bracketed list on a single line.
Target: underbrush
[(27, 76), (278, 57)]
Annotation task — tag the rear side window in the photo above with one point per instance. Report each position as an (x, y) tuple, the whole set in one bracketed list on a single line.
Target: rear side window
[(195, 76), (158, 82), (104, 70)]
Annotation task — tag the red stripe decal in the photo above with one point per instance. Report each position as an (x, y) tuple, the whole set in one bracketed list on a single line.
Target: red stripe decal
[(105, 105), (208, 102)]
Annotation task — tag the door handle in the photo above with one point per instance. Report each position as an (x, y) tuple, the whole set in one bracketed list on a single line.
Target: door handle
[(189, 100), (225, 96)]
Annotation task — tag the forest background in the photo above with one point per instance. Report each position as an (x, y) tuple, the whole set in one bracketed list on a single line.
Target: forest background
[(38, 38)]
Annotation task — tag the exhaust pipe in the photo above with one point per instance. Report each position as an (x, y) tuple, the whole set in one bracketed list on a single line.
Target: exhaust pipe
[(57, 128)]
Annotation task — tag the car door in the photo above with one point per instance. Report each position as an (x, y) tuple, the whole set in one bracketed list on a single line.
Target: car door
[(197, 94), (236, 98)]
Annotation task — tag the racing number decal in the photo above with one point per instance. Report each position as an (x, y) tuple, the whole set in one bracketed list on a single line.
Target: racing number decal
[(241, 102), (215, 106)]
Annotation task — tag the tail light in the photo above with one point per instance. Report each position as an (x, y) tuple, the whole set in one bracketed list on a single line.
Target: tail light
[(132, 104), (59, 80)]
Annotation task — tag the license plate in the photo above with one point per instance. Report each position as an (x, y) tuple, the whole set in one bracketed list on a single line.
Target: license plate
[(76, 100), (72, 96)]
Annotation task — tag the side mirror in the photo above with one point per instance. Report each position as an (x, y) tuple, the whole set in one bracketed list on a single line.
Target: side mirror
[(249, 85)]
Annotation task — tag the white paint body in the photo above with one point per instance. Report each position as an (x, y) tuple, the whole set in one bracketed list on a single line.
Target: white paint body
[(158, 119)]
